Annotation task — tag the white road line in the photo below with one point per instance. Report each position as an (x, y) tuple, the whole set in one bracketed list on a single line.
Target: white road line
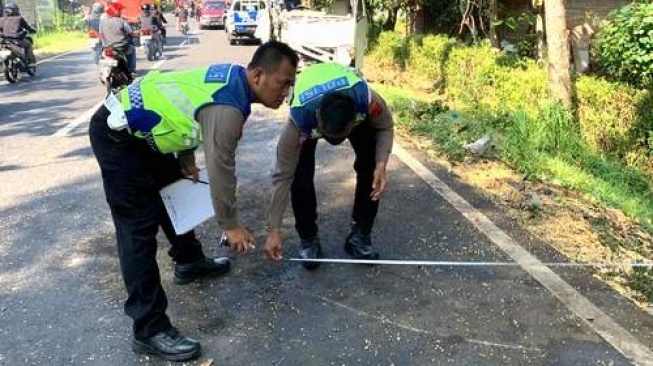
[(594, 317), (58, 56), (158, 64), (84, 117)]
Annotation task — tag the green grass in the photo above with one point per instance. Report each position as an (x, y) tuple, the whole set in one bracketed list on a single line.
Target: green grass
[(547, 148), (59, 42)]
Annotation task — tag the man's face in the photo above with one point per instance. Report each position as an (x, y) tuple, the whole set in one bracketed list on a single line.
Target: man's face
[(272, 88), (333, 139)]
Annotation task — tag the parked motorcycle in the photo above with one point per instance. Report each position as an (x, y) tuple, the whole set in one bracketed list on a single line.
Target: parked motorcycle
[(13, 59), (152, 44), (114, 73), (95, 44)]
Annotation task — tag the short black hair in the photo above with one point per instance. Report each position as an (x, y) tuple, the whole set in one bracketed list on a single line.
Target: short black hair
[(271, 54), (337, 110)]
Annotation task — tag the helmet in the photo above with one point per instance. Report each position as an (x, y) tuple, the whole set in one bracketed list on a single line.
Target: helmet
[(12, 9), (114, 9), (146, 7), (98, 8)]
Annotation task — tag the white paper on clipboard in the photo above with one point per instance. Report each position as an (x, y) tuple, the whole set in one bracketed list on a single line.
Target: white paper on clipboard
[(188, 203)]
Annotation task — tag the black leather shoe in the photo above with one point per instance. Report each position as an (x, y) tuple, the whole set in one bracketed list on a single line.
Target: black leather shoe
[(206, 267), (359, 245), (311, 249), (170, 345)]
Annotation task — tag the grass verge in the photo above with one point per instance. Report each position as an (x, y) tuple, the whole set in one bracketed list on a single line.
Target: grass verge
[(48, 44), (547, 150)]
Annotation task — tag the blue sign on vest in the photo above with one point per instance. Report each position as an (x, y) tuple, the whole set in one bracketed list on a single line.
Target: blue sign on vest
[(217, 73), (322, 89)]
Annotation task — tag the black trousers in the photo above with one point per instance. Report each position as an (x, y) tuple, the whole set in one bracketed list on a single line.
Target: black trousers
[(302, 191), (132, 174)]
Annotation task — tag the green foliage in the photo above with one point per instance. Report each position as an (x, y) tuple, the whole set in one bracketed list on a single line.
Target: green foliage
[(625, 46), (426, 56), (616, 119), (613, 119), (54, 42), (484, 79), (390, 48)]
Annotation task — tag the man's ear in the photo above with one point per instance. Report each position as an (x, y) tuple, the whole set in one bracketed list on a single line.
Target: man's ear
[(257, 74)]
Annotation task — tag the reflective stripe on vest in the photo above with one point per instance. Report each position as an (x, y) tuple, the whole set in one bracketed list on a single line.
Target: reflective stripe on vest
[(161, 107)]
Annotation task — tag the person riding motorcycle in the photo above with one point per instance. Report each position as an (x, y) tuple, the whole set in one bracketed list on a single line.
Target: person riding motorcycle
[(162, 20), (182, 18), (115, 32), (93, 24), (15, 27), (94, 19), (149, 20)]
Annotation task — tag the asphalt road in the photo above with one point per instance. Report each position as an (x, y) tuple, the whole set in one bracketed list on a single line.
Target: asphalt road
[(61, 292)]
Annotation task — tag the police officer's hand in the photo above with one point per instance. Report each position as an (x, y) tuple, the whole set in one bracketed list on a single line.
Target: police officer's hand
[(379, 183), (272, 247), (192, 172), (240, 239)]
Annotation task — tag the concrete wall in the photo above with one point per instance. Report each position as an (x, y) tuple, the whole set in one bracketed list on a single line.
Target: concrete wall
[(576, 9)]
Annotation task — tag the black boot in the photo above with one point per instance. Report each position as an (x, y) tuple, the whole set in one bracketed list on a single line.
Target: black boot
[(206, 267), (170, 345), (311, 249), (359, 245)]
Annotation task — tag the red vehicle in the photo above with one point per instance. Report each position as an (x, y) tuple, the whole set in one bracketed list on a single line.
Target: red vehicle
[(132, 10), (212, 13)]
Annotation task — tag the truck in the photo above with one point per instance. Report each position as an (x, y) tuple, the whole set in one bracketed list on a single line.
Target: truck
[(336, 34), (132, 10)]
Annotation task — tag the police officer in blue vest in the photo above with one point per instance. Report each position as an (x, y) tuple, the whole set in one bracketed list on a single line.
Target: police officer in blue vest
[(331, 102), (143, 139)]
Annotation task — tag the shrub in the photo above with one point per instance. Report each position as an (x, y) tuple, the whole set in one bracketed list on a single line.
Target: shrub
[(390, 48), (625, 46), (426, 59), (615, 119), (482, 78)]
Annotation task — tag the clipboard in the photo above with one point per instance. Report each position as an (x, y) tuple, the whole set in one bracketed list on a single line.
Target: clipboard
[(188, 203)]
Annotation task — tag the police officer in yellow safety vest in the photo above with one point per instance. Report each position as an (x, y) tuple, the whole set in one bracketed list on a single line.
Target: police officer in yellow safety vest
[(143, 140), (333, 102)]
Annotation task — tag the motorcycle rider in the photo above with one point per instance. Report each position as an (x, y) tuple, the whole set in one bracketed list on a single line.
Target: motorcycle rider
[(149, 21), (182, 17), (15, 27), (162, 20), (115, 32), (94, 27)]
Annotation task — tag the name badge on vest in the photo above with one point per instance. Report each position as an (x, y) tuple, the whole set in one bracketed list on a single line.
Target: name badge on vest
[(117, 120), (217, 73)]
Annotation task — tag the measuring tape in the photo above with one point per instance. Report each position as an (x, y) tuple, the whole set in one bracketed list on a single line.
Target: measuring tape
[(466, 263), (224, 242)]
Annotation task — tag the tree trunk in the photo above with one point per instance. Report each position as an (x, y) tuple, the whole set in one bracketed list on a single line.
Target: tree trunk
[(492, 14), (418, 24), (558, 51), (539, 31), (390, 23)]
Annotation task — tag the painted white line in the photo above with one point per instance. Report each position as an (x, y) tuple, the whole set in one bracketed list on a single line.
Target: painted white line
[(594, 317), (158, 64), (52, 58), (85, 117)]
